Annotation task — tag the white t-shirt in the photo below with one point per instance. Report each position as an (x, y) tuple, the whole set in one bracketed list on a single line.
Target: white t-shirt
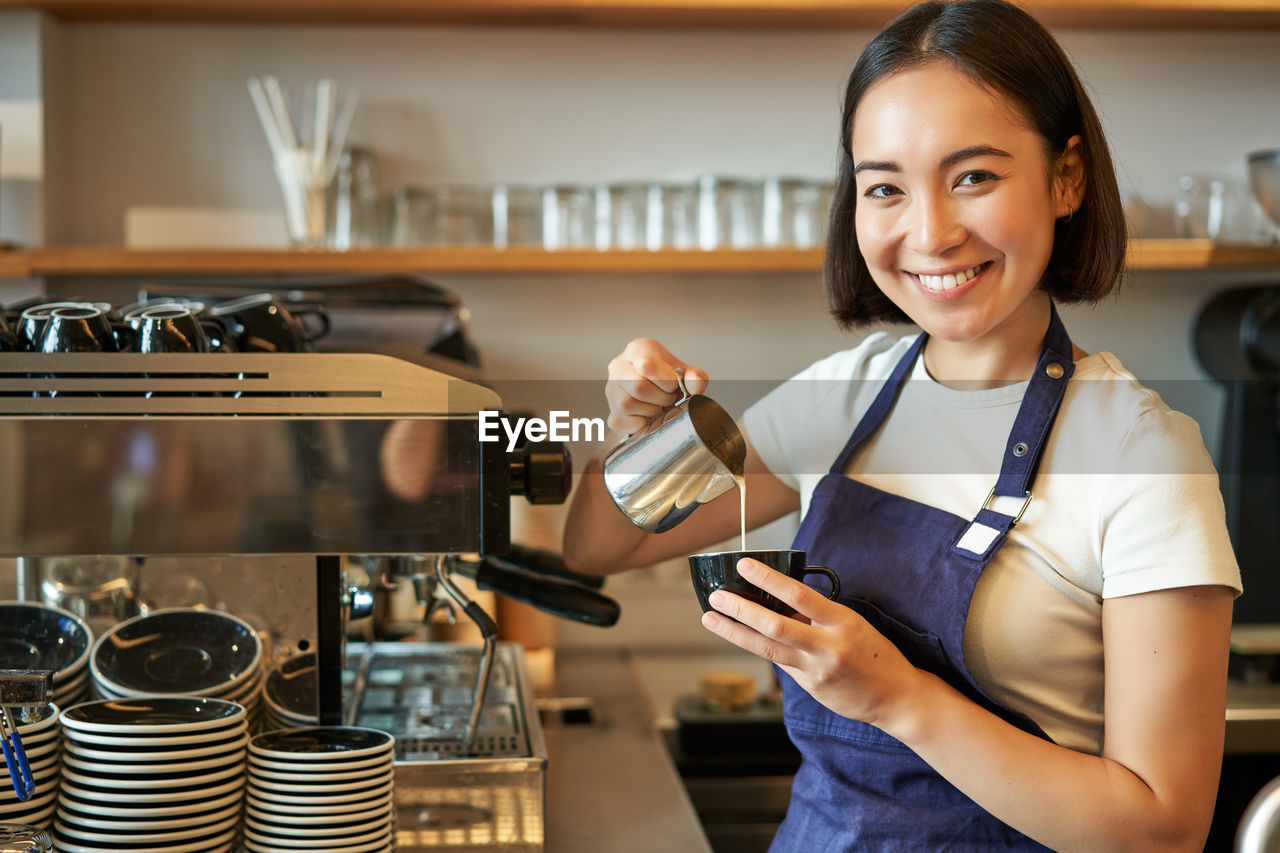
[(1126, 501)]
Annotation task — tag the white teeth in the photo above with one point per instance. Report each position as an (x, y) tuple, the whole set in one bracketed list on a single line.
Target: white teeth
[(947, 282)]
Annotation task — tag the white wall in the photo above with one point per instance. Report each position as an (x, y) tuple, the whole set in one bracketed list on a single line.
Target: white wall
[(158, 116)]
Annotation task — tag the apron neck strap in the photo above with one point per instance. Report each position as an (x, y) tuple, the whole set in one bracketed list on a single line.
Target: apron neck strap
[(1031, 428)]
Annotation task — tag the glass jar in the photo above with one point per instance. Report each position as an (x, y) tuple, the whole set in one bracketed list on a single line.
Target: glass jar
[(352, 201), (463, 216), (792, 213), (729, 212), (410, 217), (568, 217), (673, 216), (517, 216), (624, 209)]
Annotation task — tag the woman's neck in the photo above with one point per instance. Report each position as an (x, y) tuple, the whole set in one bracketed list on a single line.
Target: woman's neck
[(1000, 357)]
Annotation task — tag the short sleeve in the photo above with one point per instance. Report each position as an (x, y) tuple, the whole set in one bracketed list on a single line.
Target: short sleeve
[(1164, 524)]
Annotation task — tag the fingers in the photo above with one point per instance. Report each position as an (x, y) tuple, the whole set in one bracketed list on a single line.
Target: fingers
[(806, 601), (643, 383), (752, 628)]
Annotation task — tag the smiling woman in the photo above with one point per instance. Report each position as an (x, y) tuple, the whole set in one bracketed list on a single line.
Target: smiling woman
[(1035, 579)]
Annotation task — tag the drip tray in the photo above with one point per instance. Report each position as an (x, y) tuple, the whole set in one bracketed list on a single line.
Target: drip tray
[(487, 794)]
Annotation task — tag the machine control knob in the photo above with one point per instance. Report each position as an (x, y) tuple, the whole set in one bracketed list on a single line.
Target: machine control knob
[(542, 472)]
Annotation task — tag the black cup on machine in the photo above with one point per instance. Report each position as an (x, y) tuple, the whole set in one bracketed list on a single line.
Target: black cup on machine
[(719, 570), (262, 323), (170, 328), (69, 327), (33, 322)]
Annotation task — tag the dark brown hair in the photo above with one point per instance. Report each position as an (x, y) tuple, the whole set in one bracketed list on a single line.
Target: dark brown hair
[(1005, 49)]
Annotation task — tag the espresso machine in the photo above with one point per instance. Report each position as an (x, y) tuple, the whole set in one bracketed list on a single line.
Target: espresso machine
[(322, 458)]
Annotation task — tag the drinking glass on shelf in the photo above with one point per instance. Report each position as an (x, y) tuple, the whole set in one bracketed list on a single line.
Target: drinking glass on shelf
[(463, 215), (792, 214), (673, 217), (411, 217), (568, 217), (626, 214), (352, 202), (517, 216), (1211, 206), (729, 212)]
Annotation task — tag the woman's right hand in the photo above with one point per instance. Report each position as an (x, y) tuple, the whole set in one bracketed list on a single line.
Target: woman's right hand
[(642, 384)]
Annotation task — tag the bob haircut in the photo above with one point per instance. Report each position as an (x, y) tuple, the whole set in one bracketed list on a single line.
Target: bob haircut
[(1006, 50)]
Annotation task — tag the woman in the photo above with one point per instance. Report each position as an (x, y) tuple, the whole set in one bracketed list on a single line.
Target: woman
[(1044, 667)]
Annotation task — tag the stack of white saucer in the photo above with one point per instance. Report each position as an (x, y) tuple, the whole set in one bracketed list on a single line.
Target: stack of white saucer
[(160, 774), (38, 731), (328, 788)]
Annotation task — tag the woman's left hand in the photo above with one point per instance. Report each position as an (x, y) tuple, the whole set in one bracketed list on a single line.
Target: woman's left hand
[(831, 651)]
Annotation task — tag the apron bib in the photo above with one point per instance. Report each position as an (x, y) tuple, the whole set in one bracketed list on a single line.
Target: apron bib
[(910, 570)]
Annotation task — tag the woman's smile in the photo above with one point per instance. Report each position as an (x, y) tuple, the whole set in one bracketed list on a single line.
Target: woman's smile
[(952, 284)]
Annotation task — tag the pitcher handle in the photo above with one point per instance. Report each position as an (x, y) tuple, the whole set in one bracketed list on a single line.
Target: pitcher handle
[(684, 392)]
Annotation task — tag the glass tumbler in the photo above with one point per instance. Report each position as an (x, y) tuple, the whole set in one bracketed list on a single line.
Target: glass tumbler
[(729, 213), (517, 216), (411, 217), (626, 213), (673, 216), (568, 217), (463, 216), (791, 213), (352, 220)]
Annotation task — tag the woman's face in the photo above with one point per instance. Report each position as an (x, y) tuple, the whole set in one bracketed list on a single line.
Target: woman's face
[(956, 204)]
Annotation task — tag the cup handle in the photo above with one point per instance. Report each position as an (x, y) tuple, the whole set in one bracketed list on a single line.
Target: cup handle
[(302, 311), (830, 575)]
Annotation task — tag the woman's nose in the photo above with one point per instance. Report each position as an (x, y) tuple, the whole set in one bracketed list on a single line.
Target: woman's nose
[(934, 227)]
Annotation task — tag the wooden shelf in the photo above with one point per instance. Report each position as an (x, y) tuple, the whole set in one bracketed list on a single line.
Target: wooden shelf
[(115, 261), (1155, 14)]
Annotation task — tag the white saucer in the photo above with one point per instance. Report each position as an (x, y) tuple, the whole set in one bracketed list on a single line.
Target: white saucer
[(388, 770), (142, 782), (375, 847), (328, 808), (175, 715), (204, 737), (258, 762), (287, 821), (159, 810), (152, 797), (158, 824), (70, 759), (200, 845), (314, 841), (76, 833), (88, 753), (318, 798)]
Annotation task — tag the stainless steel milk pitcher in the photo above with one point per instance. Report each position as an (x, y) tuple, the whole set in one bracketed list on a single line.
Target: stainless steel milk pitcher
[(677, 462)]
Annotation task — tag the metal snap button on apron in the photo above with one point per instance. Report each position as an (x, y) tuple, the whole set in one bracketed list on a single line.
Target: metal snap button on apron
[(1020, 449), (1054, 370)]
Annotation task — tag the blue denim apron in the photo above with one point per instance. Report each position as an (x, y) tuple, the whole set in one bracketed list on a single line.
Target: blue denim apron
[(910, 570)]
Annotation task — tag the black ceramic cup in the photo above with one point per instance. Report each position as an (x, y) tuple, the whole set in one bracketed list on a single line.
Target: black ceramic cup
[(262, 323), (77, 328), (719, 570), (168, 328)]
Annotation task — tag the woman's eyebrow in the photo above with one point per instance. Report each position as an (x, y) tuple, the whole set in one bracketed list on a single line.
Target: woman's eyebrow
[(972, 151), (946, 163)]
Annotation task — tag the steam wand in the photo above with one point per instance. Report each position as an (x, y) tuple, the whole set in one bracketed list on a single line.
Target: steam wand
[(488, 630)]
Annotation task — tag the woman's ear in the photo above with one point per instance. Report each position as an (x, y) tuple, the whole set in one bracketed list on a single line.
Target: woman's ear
[(1069, 179)]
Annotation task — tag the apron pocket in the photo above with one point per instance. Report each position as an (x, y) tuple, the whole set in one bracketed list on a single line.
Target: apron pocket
[(924, 650)]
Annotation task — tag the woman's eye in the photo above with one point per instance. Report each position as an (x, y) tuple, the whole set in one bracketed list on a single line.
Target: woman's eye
[(972, 179), (880, 191)]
